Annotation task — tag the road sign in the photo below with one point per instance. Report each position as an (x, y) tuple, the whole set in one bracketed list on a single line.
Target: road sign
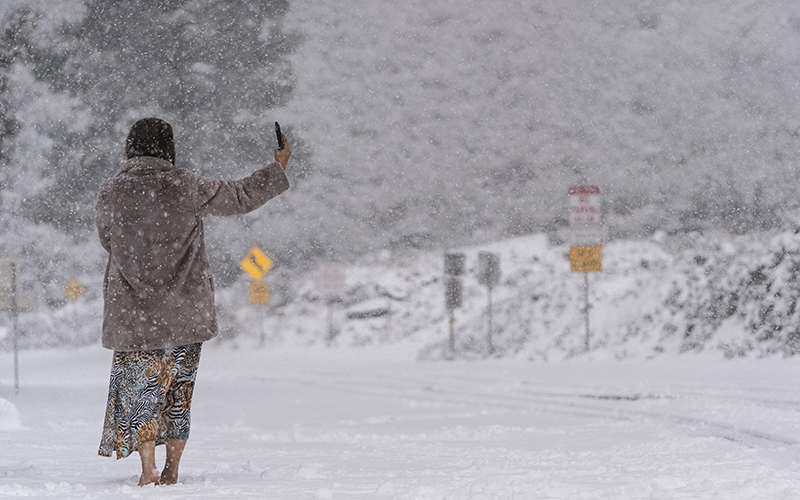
[(256, 263), (259, 293), (488, 269), (331, 279), (454, 264), (73, 289), (26, 301), (584, 205), (12, 297), (9, 268), (586, 254), (453, 293), (586, 258)]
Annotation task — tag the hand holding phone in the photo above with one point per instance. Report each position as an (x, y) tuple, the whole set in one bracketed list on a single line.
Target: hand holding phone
[(283, 152), (280, 135)]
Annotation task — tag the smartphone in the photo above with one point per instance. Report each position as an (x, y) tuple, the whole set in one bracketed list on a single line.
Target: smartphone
[(280, 136)]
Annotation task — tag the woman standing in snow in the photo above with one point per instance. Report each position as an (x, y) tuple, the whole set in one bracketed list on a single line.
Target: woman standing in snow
[(158, 291)]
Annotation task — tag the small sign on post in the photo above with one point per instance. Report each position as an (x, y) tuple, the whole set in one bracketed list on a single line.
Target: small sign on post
[(259, 293), (584, 205), (9, 287), (331, 280), (489, 275), (586, 253), (454, 264), (9, 274), (453, 268), (331, 283), (453, 295), (256, 263), (586, 258), (73, 289), (488, 269)]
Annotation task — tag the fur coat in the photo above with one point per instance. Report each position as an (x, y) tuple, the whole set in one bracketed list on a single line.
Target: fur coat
[(158, 288)]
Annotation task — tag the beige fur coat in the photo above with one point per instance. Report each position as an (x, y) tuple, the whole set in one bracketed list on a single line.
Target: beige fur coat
[(158, 288)]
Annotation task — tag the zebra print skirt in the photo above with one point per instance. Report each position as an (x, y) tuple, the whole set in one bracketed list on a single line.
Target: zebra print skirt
[(149, 398)]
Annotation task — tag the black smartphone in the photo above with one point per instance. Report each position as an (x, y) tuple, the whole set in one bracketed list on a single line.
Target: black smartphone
[(280, 136)]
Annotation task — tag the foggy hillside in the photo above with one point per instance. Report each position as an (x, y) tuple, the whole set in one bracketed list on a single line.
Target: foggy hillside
[(463, 121)]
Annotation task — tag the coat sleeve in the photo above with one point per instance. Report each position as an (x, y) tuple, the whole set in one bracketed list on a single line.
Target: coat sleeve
[(216, 197), (102, 221)]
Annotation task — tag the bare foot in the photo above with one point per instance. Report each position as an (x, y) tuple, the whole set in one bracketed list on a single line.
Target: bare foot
[(168, 476), (152, 477), (174, 451), (147, 452)]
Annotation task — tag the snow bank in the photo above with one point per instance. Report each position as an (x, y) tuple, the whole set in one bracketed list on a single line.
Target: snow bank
[(723, 295), (10, 419)]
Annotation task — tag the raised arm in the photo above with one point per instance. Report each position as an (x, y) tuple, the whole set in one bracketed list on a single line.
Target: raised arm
[(216, 197)]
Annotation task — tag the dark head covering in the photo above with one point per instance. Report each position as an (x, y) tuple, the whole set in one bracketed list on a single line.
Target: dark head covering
[(151, 137)]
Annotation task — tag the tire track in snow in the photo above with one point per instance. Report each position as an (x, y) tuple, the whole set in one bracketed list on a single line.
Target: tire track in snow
[(569, 403)]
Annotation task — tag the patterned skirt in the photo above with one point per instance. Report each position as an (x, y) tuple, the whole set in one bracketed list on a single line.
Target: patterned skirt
[(149, 398)]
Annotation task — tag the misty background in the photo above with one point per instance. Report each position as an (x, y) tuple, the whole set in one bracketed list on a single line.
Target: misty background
[(420, 125)]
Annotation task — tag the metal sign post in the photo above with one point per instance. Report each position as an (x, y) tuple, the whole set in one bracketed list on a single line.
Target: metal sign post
[(9, 301), (453, 300), (586, 253), (15, 300), (453, 268), (331, 282), (258, 294), (489, 275), (257, 265)]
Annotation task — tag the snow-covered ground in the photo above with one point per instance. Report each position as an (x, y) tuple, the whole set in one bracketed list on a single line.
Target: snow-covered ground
[(374, 423)]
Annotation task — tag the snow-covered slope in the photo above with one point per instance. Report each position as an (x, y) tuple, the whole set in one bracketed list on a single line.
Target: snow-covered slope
[(730, 295), (735, 296)]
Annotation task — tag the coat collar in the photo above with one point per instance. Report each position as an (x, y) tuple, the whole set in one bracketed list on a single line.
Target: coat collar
[(141, 165)]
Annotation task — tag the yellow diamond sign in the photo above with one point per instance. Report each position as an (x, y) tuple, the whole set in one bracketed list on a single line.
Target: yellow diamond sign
[(256, 263), (73, 289)]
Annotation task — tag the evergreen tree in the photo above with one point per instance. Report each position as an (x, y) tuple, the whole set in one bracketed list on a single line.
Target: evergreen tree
[(211, 68), (13, 41)]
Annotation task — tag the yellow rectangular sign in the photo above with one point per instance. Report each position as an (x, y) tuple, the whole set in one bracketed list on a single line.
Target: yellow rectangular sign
[(586, 259), (259, 293)]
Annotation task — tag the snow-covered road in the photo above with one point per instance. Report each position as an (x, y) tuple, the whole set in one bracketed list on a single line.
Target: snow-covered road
[(374, 424)]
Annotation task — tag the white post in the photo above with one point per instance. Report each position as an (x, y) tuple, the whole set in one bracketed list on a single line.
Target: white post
[(586, 310), (262, 313)]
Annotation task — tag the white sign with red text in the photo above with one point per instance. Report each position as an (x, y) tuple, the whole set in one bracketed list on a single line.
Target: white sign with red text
[(331, 279), (584, 206)]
